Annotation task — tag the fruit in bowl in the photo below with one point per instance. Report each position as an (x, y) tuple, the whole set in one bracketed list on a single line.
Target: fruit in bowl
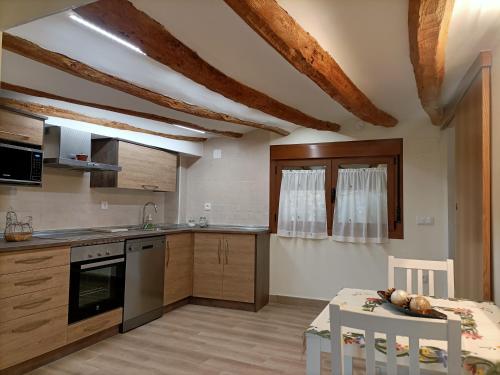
[(420, 304), (399, 297)]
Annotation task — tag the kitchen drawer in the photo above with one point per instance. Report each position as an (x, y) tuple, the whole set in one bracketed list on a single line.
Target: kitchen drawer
[(87, 327), (15, 284), (32, 303), (20, 261), (31, 336), (19, 128)]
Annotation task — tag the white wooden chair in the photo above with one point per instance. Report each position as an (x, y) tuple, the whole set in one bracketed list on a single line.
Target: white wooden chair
[(413, 328), (421, 265)]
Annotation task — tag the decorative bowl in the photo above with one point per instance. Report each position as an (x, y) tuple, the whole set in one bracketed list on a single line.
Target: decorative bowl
[(432, 314)]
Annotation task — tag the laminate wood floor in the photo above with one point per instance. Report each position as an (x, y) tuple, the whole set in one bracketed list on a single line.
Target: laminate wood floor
[(201, 340)]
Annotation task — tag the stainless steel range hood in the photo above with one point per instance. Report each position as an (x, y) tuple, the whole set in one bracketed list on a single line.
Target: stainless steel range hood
[(61, 145)]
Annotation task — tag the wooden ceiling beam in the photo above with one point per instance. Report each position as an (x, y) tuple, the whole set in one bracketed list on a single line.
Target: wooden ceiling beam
[(120, 17), (145, 115), (301, 50), (48, 110), (66, 64), (428, 23)]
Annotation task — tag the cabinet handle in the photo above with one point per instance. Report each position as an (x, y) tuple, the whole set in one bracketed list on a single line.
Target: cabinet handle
[(31, 326), (33, 260), (33, 282), (154, 187), (218, 250), (32, 305), (227, 252), (24, 136), (168, 253)]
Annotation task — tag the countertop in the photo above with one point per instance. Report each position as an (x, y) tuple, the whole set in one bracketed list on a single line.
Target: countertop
[(79, 237)]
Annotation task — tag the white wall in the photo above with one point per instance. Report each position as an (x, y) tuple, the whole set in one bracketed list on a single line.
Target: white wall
[(495, 173), (237, 186)]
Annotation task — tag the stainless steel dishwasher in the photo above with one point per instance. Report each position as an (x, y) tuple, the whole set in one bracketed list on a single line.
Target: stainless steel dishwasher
[(144, 271)]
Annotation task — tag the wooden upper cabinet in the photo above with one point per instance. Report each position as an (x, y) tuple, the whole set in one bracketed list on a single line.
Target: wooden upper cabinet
[(178, 267), (208, 265), (143, 168), (239, 268), (20, 127)]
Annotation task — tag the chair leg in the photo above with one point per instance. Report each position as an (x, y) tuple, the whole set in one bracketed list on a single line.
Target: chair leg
[(313, 351)]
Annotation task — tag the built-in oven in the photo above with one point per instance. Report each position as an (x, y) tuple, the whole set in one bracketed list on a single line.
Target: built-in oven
[(20, 165), (97, 276)]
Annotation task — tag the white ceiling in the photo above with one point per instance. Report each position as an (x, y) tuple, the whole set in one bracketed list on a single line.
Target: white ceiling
[(474, 27), (369, 40)]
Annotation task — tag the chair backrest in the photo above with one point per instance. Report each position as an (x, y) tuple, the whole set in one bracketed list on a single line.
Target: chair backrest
[(420, 266), (413, 328)]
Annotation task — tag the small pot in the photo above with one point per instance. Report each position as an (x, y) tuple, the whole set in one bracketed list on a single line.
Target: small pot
[(82, 157)]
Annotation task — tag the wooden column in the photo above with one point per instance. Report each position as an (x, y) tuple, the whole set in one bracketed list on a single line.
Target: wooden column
[(470, 114), (1, 56)]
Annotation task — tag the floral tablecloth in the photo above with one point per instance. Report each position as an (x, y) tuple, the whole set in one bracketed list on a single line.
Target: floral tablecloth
[(480, 332)]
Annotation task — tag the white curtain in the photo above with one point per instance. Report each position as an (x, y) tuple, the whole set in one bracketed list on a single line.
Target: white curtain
[(361, 206), (302, 206)]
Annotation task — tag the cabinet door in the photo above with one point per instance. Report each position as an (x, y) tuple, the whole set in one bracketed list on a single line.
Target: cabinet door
[(19, 128), (146, 168), (239, 268), (208, 267), (178, 267)]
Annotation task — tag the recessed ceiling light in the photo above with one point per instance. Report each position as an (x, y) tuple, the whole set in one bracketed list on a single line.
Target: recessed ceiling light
[(193, 130), (90, 25)]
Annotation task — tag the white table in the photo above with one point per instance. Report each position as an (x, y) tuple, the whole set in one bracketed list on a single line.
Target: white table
[(480, 334)]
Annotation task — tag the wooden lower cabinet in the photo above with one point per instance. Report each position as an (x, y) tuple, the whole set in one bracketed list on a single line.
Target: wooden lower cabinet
[(238, 283), (224, 266), (33, 303), (178, 268), (15, 284), (87, 327), (34, 288), (25, 338), (208, 267)]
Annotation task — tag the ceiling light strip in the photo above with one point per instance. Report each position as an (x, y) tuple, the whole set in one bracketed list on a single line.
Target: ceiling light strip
[(90, 25), (191, 129)]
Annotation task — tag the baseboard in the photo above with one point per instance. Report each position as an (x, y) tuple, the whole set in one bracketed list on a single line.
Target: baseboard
[(287, 300), (176, 305), (223, 303)]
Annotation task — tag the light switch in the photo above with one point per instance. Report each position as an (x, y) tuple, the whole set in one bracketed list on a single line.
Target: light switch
[(104, 205), (217, 154), (207, 206), (425, 220)]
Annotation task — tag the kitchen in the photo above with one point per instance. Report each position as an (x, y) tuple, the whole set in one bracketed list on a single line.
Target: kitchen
[(144, 149)]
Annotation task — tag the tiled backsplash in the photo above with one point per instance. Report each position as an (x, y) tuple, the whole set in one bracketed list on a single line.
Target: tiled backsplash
[(67, 201), (236, 185)]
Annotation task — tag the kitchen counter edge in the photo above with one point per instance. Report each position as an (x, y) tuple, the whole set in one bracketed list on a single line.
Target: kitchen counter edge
[(42, 243)]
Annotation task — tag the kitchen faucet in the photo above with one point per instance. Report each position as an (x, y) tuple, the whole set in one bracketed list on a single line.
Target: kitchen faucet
[(146, 223)]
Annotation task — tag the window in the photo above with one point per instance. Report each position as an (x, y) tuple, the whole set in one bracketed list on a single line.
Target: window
[(332, 157), (360, 213), (302, 205)]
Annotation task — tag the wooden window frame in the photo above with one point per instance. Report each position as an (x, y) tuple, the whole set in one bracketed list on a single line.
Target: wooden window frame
[(333, 154)]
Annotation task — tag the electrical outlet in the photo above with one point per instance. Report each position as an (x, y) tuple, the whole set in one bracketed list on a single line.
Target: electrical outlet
[(217, 154), (104, 205), (207, 206)]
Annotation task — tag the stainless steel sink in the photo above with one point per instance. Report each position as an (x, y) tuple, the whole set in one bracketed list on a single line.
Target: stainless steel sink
[(63, 234)]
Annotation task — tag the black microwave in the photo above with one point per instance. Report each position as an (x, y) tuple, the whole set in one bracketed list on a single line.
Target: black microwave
[(20, 165)]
